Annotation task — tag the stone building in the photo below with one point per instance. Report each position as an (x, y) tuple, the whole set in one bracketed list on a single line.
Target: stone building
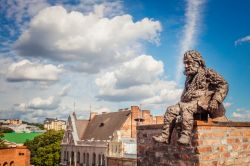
[(10, 122), (54, 124), (90, 142), (11, 156)]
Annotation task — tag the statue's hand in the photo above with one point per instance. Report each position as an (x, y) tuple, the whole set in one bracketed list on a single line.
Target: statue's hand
[(213, 105)]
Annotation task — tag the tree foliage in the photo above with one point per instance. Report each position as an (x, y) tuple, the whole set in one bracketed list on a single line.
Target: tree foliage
[(45, 148), (6, 130), (2, 144)]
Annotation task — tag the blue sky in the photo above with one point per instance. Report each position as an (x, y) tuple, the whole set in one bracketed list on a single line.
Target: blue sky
[(113, 54)]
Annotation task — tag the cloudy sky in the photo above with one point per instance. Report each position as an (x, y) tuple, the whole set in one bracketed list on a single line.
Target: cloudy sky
[(61, 56)]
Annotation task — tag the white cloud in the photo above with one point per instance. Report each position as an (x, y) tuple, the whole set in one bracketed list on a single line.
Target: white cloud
[(26, 70), (141, 70), (241, 115), (4, 64), (65, 90), (227, 104), (193, 13), (242, 40), (137, 80), (94, 42), (49, 103)]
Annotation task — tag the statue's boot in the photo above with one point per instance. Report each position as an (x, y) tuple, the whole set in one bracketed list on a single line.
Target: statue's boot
[(184, 140), (187, 127), (169, 123)]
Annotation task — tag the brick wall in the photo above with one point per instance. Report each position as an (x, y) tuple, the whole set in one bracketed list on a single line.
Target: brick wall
[(16, 156), (129, 127), (221, 143)]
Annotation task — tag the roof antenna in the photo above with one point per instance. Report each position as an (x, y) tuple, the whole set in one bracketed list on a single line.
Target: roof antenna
[(89, 112), (74, 106)]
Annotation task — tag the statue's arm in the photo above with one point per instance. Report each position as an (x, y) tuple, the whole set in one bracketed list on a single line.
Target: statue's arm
[(219, 84)]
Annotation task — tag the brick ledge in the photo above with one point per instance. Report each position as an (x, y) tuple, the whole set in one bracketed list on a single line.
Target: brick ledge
[(200, 123)]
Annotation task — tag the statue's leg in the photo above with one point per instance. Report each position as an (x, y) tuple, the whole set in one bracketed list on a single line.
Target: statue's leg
[(169, 122), (187, 111)]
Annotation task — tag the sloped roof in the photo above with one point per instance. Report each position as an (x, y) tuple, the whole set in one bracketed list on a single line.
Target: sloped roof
[(104, 125), (81, 126)]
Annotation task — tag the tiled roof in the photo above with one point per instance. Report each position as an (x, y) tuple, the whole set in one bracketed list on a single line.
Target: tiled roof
[(81, 126), (104, 125)]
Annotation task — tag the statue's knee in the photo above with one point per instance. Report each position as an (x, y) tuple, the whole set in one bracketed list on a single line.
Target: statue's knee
[(171, 111), (187, 115)]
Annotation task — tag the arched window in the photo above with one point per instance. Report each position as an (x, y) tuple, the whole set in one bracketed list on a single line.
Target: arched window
[(65, 156), (72, 157), (5, 164), (12, 163), (87, 159), (84, 160), (94, 160), (99, 160), (103, 160), (78, 157)]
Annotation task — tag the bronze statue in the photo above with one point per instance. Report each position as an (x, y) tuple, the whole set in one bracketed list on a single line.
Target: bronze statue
[(204, 91)]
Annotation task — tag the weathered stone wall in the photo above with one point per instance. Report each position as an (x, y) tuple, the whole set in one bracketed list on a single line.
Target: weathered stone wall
[(221, 143)]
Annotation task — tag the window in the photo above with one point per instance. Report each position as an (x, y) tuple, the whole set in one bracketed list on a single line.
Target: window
[(103, 160), (94, 160), (99, 160), (87, 159), (65, 156), (72, 157), (84, 160), (78, 157), (12, 163), (5, 164)]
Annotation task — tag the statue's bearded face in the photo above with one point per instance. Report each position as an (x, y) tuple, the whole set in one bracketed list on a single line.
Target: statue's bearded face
[(191, 66)]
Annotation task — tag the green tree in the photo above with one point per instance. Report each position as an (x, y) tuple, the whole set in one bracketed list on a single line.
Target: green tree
[(2, 144), (45, 148), (6, 130)]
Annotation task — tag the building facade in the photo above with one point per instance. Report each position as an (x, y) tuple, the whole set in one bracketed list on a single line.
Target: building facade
[(11, 121), (12, 156), (54, 124), (23, 128), (91, 142)]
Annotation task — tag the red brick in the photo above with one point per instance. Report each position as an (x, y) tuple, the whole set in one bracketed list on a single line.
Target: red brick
[(226, 155), (246, 133), (236, 147), (245, 146), (245, 139), (211, 142), (218, 134), (211, 156), (205, 135), (204, 164), (236, 133), (203, 149), (233, 140), (221, 148)]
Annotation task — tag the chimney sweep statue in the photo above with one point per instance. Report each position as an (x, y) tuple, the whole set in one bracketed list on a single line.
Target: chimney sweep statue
[(204, 92)]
